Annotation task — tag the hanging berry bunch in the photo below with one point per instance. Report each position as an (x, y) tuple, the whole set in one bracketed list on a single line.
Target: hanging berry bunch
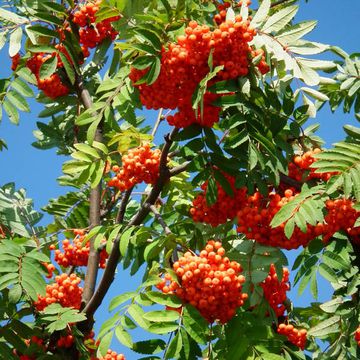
[(255, 217), (65, 291), (225, 207), (93, 32), (52, 86), (185, 63), (139, 165), (210, 282), (76, 253), (300, 170), (341, 215), (295, 336), (275, 290)]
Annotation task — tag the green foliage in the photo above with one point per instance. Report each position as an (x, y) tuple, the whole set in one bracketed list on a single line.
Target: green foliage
[(17, 213), (343, 160), (344, 88), (22, 271), (57, 318), (263, 123)]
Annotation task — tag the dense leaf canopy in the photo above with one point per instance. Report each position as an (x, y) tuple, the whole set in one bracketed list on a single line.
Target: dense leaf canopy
[(207, 213)]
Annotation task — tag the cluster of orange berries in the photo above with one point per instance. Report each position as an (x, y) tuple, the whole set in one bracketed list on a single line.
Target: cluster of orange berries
[(185, 63), (140, 164), (300, 170), (76, 253), (225, 208), (255, 213), (255, 217), (65, 291), (357, 336), (275, 290), (295, 336), (209, 281), (65, 341), (340, 216), (52, 86), (111, 355), (254, 221), (92, 33)]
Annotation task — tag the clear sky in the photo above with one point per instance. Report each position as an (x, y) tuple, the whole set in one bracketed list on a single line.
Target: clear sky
[(36, 171)]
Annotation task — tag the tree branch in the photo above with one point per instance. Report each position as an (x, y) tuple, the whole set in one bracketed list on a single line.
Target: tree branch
[(137, 219), (179, 169), (160, 220), (160, 117), (94, 212), (122, 208), (291, 182)]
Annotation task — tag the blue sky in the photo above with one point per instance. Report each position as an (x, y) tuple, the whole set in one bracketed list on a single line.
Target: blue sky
[(36, 170)]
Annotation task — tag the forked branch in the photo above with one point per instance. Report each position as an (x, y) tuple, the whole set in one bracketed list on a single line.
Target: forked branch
[(137, 219)]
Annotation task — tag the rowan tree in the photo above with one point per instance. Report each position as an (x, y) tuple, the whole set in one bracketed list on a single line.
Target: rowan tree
[(207, 214)]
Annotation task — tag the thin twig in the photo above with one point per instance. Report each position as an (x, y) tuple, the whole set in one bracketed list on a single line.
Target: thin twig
[(179, 169), (290, 181), (280, 2), (71, 270), (160, 117), (160, 220)]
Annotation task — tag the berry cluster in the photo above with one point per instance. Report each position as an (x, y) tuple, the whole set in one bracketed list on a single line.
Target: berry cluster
[(254, 221), (340, 216), (275, 290), (76, 253), (357, 336), (185, 63), (295, 336), (92, 33), (224, 209), (65, 341), (111, 355), (210, 282), (65, 291), (300, 170), (140, 164), (52, 86), (255, 217), (255, 213)]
